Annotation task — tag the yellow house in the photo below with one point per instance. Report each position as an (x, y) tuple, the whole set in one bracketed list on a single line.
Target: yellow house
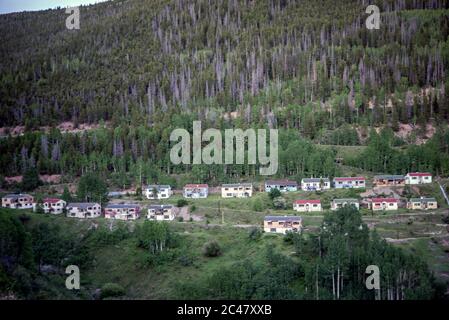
[(422, 204), (282, 224), (237, 190)]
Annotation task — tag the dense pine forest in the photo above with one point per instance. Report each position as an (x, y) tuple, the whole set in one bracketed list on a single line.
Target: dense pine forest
[(143, 68)]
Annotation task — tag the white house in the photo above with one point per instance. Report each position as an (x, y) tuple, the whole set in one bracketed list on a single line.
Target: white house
[(18, 201), (307, 205), (315, 184), (387, 204), (52, 205), (236, 190), (418, 178), (122, 211), (83, 210), (154, 191), (196, 191), (281, 185), (340, 203), (161, 212), (349, 182)]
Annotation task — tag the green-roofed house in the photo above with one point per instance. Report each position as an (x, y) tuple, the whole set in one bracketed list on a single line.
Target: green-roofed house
[(422, 203), (340, 203)]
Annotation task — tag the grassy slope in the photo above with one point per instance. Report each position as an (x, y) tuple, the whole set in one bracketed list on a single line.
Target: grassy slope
[(123, 263)]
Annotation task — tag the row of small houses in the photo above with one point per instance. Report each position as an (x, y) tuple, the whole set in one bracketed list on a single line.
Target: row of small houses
[(273, 224), (375, 204), (243, 190), (88, 209), (284, 224)]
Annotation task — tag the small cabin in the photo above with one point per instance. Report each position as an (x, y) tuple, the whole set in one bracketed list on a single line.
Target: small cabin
[(307, 205), (315, 184), (282, 224), (52, 205), (83, 210), (384, 204), (422, 203), (163, 212), (281, 185), (18, 201), (341, 203), (122, 211), (418, 178), (156, 192), (196, 191), (349, 182), (389, 180), (237, 190)]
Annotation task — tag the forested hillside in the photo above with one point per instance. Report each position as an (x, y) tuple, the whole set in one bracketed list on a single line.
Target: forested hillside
[(137, 59), (147, 67)]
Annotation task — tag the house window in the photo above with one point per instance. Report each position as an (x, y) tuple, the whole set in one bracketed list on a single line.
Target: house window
[(272, 229), (166, 217)]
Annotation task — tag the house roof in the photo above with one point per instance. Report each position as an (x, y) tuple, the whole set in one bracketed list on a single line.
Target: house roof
[(82, 205), (419, 174), (160, 206), (423, 199), (348, 178), (122, 206), (389, 177), (51, 200), (391, 200), (116, 193), (346, 200), (307, 201), (236, 185), (202, 185), (315, 179), (283, 182), (158, 186), (17, 195), (283, 218)]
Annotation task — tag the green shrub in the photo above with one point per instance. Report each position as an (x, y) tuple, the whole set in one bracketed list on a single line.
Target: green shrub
[(112, 290), (212, 249), (274, 193), (258, 205), (182, 203), (279, 203), (255, 234), (185, 261)]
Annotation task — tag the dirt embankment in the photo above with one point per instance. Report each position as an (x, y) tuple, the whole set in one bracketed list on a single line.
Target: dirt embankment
[(64, 127)]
